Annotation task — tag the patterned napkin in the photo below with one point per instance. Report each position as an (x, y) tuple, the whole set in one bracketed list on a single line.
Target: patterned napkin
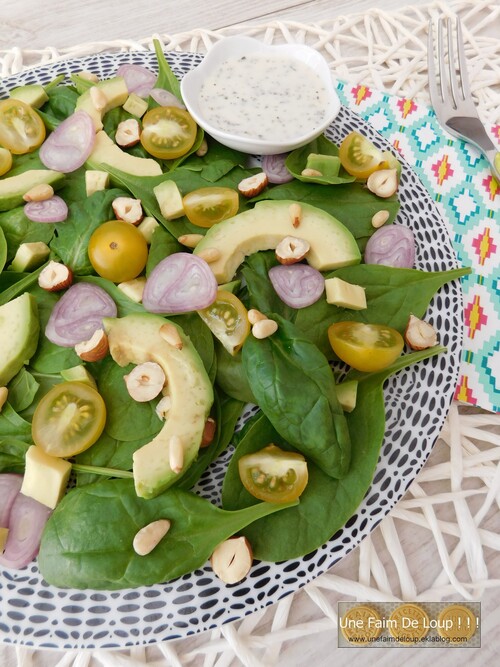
[(458, 178)]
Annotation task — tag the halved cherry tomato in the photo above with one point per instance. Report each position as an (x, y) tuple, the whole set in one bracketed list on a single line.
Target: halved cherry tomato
[(359, 156), (274, 475), (207, 206), (21, 128), (227, 319), (118, 251), (5, 161), (68, 419), (168, 132), (366, 347)]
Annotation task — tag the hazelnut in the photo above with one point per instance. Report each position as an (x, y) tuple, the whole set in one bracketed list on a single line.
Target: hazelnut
[(128, 133), (175, 454), (170, 333), (419, 334), (40, 192), (295, 210), (147, 538), (145, 381), (55, 277), (383, 182), (128, 209), (253, 185), (208, 432), (94, 349), (190, 240), (264, 328), (232, 560), (291, 250)]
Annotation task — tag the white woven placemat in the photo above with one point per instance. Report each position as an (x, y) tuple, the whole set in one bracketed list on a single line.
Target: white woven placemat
[(442, 540)]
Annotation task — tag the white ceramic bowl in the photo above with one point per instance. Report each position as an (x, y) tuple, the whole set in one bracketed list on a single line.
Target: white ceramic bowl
[(235, 47)]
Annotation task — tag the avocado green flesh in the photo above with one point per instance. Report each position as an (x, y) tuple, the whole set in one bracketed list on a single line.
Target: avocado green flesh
[(108, 154), (19, 330), (115, 93), (13, 188), (331, 244), (136, 339)]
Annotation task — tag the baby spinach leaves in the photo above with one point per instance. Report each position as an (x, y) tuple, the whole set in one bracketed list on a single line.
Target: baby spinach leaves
[(296, 162), (326, 503), (96, 551), (295, 388)]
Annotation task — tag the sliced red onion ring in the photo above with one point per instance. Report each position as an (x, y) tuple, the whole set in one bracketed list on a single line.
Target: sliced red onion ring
[(275, 168), (10, 486), (26, 523), (78, 314), (139, 79), (54, 209), (165, 98), (392, 245), (297, 285), (69, 145), (180, 283)]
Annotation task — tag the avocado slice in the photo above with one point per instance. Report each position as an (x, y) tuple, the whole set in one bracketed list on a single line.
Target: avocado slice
[(33, 94), (13, 188), (136, 339), (113, 92), (107, 154), (19, 330), (261, 228)]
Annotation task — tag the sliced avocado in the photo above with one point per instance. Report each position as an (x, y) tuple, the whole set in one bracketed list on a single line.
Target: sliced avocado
[(135, 105), (19, 330), (327, 165), (78, 374), (107, 153), (169, 200), (30, 256), (114, 94), (136, 339), (13, 188), (331, 244), (33, 94)]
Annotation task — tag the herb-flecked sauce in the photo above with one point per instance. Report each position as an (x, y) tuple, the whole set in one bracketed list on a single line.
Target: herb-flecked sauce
[(262, 96)]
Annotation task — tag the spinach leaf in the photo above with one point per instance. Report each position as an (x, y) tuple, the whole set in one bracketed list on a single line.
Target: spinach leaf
[(231, 376), (295, 388), (297, 160), (201, 337), (17, 229), (17, 283), (218, 161), (351, 203), (14, 426), (12, 454), (162, 245), (74, 234), (326, 503), (44, 382), (100, 555), (22, 390), (60, 105), (166, 78), (107, 452), (392, 295), (261, 293)]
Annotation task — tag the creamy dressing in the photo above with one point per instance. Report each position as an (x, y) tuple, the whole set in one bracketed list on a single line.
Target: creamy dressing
[(264, 96)]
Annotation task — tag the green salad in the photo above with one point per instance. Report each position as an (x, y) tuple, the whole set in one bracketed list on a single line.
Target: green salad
[(152, 284)]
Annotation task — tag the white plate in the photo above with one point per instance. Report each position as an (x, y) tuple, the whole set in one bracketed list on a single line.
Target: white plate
[(417, 401)]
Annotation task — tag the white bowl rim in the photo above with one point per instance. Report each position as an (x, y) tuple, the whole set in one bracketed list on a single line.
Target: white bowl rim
[(234, 45)]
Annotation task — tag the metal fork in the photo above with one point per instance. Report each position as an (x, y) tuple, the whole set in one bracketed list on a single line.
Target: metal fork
[(450, 93)]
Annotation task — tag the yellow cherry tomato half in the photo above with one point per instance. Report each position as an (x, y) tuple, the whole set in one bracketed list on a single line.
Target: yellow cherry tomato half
[(273, 474), (68, 419), (21, 128), (207, 206), (227, 319), (360, 157), (365, 347), (118, 251), (168, 132), (5, 161)]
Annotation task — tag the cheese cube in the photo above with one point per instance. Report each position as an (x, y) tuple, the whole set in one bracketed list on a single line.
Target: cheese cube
[(45, 477), (169, 200), (147, 227), (343, 294), (95, 180)]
